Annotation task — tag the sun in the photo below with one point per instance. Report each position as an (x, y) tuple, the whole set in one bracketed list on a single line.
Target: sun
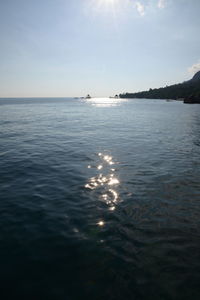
[(108, 5), (108, 1), (111, 8)]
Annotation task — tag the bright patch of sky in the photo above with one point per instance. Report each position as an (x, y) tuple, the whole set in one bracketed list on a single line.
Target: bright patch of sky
[(102, 47)]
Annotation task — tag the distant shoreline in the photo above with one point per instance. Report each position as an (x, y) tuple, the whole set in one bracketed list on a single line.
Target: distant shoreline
[(188, 91)]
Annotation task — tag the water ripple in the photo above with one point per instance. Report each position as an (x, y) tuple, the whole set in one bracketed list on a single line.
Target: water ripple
[(99, 200)]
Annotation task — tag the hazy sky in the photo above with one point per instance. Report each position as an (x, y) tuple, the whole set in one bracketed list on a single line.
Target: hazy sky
[(102, 47)]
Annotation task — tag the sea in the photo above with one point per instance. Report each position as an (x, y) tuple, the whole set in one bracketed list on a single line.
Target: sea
[(99, 199)]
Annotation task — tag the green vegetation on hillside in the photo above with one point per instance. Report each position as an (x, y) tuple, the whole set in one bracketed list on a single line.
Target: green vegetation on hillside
[(189, 91)]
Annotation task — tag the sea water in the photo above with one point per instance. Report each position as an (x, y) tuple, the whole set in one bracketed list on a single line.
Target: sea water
[(99, 199)]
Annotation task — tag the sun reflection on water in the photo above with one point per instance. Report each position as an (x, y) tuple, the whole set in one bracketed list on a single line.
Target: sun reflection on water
[(105, 182), (101, 223), (105, 102)]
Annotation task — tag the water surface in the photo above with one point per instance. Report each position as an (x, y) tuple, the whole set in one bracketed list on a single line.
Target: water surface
[(100, 199)]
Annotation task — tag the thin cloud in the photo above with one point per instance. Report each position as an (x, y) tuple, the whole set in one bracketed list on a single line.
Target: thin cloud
[(194, 68), (140, 8), (161, 4)]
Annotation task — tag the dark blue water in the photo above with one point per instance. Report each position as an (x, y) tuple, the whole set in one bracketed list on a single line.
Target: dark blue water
[(99, 199)]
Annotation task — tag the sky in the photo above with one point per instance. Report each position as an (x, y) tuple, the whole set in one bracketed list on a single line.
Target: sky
[(69, 48)]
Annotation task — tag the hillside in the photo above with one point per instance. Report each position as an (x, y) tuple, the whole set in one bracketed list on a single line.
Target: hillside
[(188, 90)]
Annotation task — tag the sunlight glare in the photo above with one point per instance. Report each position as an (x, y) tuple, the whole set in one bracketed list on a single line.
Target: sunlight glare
[(106, 6), (108, 2), (101, 223)]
